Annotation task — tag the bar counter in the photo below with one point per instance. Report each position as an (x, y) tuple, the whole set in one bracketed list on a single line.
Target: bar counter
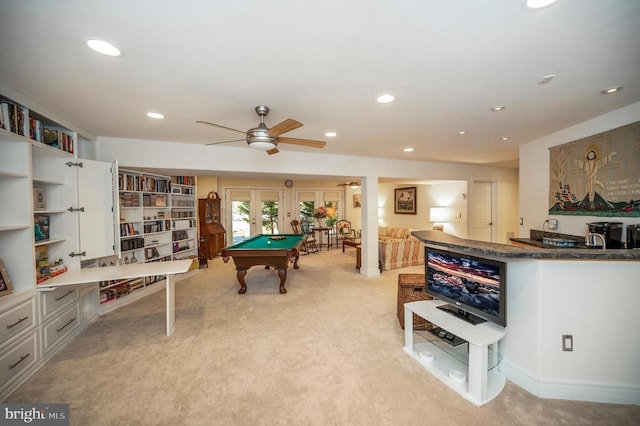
[(441, 239)]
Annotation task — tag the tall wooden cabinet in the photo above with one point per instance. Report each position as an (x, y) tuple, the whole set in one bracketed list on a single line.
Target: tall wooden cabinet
[(212, 233), (48, 224)]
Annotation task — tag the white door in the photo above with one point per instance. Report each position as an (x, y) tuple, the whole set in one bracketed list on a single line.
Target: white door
[(252, 212), (96, 220), (481, 211)]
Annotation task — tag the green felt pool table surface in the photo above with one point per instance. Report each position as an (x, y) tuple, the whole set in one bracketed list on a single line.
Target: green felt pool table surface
[(266, 241), (270, 250)]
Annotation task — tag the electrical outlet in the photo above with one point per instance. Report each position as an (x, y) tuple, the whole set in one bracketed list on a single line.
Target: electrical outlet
[(553, 224), (567, 342)]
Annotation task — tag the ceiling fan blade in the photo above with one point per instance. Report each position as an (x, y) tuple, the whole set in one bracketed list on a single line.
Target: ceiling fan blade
[(218, 125), (272, 151), (218, 143), (286, 126), (303, 142)]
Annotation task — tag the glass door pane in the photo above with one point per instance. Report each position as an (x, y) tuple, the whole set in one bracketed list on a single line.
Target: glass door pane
[(269, 211), (253, 212), (240, 221)]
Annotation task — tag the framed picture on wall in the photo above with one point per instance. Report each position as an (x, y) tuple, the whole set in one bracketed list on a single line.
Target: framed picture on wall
[(405, 200), (5, 282), (357, 200)]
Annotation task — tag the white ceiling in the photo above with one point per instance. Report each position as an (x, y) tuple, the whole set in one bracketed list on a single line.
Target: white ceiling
[(324, 63)]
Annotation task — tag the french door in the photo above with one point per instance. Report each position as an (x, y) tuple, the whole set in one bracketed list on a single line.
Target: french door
[(252, 212)]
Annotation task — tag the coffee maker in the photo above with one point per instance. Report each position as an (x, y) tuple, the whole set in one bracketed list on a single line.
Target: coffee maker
[(633, 236), (610, 231)]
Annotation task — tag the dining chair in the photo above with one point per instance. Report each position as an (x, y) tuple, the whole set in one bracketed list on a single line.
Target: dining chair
[(309, 244)]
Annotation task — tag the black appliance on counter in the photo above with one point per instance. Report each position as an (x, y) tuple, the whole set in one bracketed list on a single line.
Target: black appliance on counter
[(633, 236), (611, 231)]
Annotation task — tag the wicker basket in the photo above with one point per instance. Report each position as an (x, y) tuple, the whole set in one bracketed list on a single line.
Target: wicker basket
[(411, 288)]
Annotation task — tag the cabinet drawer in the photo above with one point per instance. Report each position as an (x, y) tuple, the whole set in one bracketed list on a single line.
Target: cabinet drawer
[(22, 356), (61, 326), (16, 319), (52, 300)]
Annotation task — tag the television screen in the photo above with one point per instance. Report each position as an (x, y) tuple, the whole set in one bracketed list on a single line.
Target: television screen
[(475, 287)]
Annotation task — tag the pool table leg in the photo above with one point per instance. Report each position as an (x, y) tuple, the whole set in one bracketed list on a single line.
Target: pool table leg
[(240, 274), (282, 273), (295, 262)]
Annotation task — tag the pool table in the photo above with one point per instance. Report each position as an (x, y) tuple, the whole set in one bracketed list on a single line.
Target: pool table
[(265, 249)]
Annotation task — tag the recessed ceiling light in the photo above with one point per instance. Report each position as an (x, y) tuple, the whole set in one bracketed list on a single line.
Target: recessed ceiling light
[(331, 134), (537, 4), (505, 138), (385, 99), (462, 132), (498, 108), (103, 47), (408, 150), (611, 90), (547, 78), (155, 115)]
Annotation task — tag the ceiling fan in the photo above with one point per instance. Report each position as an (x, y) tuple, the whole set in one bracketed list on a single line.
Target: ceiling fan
[(352, 185), (267, 139)]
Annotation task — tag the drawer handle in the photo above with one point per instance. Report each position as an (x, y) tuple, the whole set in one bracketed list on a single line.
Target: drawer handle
[(18, 322), (64, 295), (22, 358), (66, 325)]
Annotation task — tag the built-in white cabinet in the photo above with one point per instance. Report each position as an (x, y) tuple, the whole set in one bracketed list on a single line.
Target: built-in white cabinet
[(57, 212)]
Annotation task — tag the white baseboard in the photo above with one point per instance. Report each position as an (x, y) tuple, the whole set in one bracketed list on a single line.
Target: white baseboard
[(575, 391)]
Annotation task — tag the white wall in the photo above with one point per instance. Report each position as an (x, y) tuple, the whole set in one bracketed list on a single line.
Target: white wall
[(448, 194), (534, 172)]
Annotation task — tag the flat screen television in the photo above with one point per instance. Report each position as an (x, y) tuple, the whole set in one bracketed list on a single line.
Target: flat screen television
[(473, 287)]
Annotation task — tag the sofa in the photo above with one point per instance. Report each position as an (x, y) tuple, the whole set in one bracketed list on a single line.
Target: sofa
[(397, 248)]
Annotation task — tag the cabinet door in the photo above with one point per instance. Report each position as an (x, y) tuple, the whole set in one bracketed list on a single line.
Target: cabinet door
[(95, 194)]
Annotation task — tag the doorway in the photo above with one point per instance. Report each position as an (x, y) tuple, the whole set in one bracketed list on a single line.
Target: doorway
[(481, 211), (252, 212)]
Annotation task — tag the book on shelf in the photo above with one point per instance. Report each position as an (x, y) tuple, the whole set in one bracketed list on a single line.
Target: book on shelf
[(41, 227), (184, 180), (35, 128), (58, 139), (15, 118)]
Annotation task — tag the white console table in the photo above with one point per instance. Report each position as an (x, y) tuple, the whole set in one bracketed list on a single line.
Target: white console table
[(481, 385), (133, 270)]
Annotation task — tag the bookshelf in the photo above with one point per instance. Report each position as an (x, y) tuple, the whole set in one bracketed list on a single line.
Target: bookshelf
[(48, 227), (183, 217), (156, 224)]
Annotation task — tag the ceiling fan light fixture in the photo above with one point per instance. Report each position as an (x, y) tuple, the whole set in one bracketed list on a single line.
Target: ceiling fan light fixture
[(331, 134), (262, 145)]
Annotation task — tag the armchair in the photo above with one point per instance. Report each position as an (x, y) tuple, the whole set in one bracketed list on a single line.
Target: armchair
[(344, 231)]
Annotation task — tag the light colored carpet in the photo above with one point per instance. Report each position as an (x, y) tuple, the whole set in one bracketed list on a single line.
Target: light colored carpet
[(329, 352)]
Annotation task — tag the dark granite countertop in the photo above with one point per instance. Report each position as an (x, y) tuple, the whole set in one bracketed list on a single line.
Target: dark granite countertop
[(441, 239), (540, 244)]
